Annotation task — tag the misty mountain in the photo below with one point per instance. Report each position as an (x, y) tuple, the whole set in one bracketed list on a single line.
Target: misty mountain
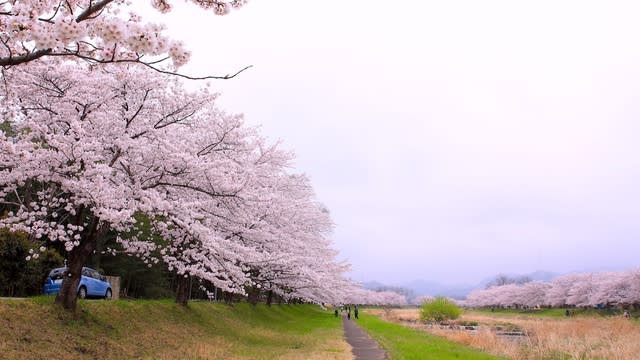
[(373, 285), (424, 287), (539, 275)]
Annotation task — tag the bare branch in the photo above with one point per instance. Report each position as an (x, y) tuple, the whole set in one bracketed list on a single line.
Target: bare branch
[(225, 77)]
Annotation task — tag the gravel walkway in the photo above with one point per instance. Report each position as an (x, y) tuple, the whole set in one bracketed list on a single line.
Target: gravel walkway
[(362, 346)]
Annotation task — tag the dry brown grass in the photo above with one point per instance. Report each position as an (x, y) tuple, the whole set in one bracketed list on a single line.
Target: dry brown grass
[(209, 350), (332, 350), (215, 349), (581, 338)]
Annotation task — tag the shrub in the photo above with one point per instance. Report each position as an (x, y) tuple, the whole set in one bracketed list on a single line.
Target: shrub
[(439, 309), (19, 277)]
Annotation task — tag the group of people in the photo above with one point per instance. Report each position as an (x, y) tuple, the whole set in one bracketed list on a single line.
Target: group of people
[(347, 309)]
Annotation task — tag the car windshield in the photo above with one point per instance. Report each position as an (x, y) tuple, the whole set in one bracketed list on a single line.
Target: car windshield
[(57, 273)]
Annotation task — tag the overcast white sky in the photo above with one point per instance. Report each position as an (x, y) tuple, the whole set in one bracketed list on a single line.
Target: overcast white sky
[(451, 140)]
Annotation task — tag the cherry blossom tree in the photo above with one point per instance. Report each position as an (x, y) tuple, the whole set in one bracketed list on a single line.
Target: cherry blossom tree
[(289, 230), (88, 152), (419, 300), (272, 221), (480, 298), (359, 295), (582, 290), (532, 294), (613, 289), (507, 295), (558, 293), (98, 31), (632, 292), (90, 149)]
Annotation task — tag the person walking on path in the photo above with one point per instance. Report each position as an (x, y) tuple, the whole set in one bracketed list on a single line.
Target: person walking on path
[(355, 311), (349, 314)]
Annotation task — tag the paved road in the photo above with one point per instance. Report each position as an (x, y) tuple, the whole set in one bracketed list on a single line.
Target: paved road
[(363, 347)]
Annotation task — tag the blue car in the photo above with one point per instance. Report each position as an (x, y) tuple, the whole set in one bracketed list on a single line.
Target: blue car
[(92, 283)]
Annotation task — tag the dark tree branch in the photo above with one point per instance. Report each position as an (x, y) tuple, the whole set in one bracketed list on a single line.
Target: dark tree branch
[(30, 56), (190, 187), (92, 9), (50, 19), (16, 60), (128, 121)]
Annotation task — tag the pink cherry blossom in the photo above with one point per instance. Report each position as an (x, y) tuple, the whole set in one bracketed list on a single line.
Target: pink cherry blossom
[(96, 31)]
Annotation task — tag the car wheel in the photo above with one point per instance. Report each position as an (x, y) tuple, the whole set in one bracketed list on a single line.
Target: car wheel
[(108, 294), (82, 293)]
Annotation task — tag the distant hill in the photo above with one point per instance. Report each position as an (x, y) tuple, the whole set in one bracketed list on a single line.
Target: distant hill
[(543, 275), (539, 275), (373, 285), (424, 287)]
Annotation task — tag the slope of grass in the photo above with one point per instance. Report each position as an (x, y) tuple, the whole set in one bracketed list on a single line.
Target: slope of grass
[(404, 343), (159, 329)]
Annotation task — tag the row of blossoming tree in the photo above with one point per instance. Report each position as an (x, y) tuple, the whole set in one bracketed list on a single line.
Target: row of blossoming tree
[(578, 289), (102, 134)]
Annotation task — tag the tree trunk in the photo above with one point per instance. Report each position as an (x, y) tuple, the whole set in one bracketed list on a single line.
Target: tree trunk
[(68, 294), (96, 257), (253, 294), (228, 298), (269, 297), (183, 289)]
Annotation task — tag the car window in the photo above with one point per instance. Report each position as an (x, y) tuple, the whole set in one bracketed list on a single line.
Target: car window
[(86, 272), (57, 273), (95, 275)]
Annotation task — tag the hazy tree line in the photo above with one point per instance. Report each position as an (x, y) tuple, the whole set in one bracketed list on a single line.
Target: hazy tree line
[(590, 289)]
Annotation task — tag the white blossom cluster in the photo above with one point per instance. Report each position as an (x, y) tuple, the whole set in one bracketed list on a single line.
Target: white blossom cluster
[(362, 296), (91, 30)]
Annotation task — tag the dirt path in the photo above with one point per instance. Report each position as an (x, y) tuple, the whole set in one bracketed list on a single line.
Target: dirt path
[(363, 347)]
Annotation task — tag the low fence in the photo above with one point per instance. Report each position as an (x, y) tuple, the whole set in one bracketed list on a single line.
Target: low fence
[(115, 286)]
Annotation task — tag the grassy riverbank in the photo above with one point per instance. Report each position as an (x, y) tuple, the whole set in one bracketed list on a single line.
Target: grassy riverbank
[(34, 329), (548, 333), (556, 312), (403, 343)]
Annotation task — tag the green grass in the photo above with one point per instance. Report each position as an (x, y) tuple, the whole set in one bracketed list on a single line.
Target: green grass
[(159, 329), (533, 312), (555, 312), (403, 343)]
